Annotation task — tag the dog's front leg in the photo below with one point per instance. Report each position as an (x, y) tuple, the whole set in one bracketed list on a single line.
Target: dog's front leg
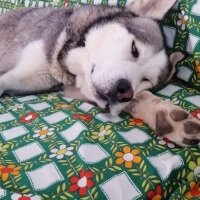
[(74, 93), (62, 76)]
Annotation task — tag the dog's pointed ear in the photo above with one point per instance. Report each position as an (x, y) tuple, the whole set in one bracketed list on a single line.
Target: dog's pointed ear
[(163, 126), (151, 8), (174, 58)]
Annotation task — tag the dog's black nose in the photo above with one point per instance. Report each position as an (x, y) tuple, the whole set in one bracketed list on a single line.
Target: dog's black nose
[(121, 92), (124, 91)]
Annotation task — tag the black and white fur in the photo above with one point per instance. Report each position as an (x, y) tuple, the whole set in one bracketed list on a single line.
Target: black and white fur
[(89, 49)]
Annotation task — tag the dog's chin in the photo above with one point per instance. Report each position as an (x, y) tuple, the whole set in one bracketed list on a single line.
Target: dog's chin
[(115, 109)]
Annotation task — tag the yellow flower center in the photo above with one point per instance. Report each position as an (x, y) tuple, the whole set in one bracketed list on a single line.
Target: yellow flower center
[(43, 132), (183, 20), (102, 133), (128, 157), (61, 151)]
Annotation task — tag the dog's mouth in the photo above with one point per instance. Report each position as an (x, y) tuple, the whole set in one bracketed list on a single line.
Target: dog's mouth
[(104, 99), (110, 105), (115, 108), (107, 107)]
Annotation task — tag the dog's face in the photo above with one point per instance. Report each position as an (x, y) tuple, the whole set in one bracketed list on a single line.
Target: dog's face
[(121, 57)]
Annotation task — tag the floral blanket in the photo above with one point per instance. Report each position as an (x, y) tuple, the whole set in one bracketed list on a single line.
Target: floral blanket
[(52, 147)]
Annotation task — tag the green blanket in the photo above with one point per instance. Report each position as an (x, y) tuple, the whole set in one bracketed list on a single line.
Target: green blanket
[(52, 147)]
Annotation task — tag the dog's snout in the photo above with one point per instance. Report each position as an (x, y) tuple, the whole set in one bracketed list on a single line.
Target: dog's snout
[(123, 91), (120, 92)]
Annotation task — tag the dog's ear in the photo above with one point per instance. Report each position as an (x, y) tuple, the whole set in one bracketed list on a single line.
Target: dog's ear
[(151, 8), (163, 126), (191, 127), (174, 58), (179, 115)]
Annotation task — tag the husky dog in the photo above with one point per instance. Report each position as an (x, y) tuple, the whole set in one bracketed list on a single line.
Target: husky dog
[(104, 54)]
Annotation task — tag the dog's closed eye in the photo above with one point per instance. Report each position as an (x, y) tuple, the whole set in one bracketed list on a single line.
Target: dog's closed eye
[(179, 115), (134, 50), (92, 70), (81, 42)]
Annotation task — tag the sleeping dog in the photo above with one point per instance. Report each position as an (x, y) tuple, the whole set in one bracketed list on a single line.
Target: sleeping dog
[(104, 54)]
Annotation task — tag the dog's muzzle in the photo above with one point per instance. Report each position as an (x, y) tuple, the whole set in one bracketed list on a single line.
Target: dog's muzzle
[(121, 92)]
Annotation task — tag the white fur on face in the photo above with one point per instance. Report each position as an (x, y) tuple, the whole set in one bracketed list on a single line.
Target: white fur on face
[(107, 53)]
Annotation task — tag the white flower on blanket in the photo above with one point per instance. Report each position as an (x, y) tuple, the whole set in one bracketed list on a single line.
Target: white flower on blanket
[(16, 106), (51, 97), (165, 141), (17, 196), (44, 132), (182, 20), (55, 2), (61, 152), (175, 101)]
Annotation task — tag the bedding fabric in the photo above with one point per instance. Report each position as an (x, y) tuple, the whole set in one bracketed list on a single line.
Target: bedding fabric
[(53, 147), (182, 30)]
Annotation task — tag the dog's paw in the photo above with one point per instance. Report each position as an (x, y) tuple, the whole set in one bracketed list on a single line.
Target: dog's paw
[(166, 119), (178, 126)]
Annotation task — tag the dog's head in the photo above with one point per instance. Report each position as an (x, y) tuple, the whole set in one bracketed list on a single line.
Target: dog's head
[(122, 55)]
